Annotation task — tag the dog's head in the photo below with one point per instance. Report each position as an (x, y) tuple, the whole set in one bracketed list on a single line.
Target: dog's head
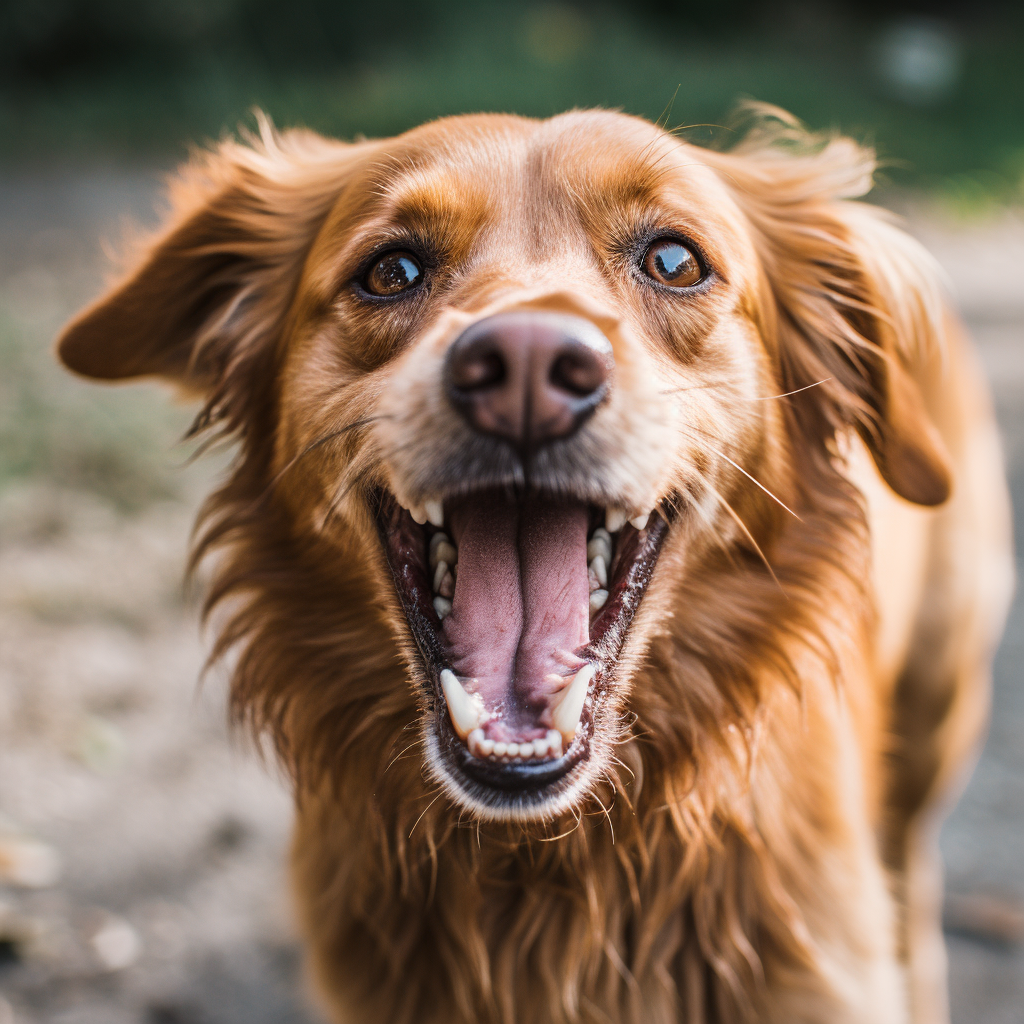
[(528, 374)]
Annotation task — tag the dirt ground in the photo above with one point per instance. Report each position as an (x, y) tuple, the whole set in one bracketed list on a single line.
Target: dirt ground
[(143, 876)]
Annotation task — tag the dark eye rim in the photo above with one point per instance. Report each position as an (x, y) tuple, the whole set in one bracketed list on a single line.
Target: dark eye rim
[(358, 280), (643, 244)]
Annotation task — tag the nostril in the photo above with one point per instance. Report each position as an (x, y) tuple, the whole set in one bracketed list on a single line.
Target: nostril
[(528, 376), (577, 371), (478, 367)]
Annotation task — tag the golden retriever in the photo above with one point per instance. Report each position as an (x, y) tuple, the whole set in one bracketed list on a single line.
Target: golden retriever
[(615, 551)]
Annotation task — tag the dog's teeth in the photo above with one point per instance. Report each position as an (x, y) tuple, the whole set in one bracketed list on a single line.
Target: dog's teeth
[(419, 514), (513, 750), (600, 544), (500, 749), (597, 600), (599, 570), (444, 551), (466, 710), (439, 573), (554, 740), (614, 519), (566, 716), (485, 748), (639, 522), (443, 607), (435, 512), (436, 541), (447, 586), (474, 739), (540, 748)]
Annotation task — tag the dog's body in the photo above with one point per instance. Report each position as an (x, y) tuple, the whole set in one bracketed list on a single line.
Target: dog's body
[(783, 671)]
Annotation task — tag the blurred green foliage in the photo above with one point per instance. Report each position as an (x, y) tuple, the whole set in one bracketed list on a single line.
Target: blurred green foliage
[(149, 76), (82, 438)]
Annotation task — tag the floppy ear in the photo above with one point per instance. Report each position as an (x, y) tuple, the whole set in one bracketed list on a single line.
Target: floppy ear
[(854, 301), (209, 292)]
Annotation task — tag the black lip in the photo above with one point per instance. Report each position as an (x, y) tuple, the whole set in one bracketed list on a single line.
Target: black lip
[(402, 541), (518, 777)]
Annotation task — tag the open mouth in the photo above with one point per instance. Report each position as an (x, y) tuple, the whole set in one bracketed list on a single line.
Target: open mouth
[(519, 605)]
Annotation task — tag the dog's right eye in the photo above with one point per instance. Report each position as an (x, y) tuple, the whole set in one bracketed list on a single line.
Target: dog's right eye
[(671, 263), (393, 273)]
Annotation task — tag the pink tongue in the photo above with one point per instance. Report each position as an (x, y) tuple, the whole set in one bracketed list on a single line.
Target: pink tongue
[(521, 604)]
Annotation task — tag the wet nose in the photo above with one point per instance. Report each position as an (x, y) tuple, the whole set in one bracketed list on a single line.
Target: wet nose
[(528, 376)]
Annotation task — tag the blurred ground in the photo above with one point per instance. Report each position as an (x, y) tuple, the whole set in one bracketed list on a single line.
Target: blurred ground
[(168, 904)]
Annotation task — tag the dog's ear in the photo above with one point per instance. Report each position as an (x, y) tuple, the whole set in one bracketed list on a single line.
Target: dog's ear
[(854, 306), (210, 290)]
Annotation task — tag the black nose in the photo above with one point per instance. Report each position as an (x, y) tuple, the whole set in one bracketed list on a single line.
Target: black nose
[(528, 376)]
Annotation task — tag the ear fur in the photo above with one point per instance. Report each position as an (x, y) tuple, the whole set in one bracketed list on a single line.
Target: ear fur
[(210, 290), (854, 301)]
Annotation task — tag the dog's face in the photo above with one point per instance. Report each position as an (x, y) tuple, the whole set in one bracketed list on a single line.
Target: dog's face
[(551, 319), (529, 368)]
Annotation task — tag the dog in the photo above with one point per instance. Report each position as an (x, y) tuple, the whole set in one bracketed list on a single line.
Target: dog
[(615, 552)]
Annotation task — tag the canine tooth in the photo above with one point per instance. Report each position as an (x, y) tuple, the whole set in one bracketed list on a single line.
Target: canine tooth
[(439, 570), (467, 712), (600, 544), (435, 512), (639, 522), (443, 607), (443, 552), (554, 738), (600, 570), (566, 717), (419, 515), (500, 749), (597, 600), (614, 520)]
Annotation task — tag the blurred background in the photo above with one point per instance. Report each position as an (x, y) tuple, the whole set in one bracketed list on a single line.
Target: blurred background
[(141, 847)]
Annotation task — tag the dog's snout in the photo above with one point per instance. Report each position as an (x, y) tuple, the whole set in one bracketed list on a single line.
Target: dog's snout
[(529, 376)]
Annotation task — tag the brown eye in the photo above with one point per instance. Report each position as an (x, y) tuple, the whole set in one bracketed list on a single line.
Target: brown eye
[(393, 273), (670, 262)]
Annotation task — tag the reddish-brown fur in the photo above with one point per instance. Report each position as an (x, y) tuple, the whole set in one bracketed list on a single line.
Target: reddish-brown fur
[(755, 838)]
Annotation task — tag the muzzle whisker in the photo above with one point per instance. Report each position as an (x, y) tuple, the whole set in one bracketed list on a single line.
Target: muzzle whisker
[(399, 755), (312, 447), (714, 451), (743, 526), (424, 811)]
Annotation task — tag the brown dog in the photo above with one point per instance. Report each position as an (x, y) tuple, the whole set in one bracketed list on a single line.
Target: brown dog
[(557, 559)]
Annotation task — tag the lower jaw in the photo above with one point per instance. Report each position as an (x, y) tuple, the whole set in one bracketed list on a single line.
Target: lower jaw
[(501, 786)]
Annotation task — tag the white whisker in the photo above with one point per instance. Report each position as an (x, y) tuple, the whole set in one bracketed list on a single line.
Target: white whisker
[(753, 479), (806, 387), (743, 526)]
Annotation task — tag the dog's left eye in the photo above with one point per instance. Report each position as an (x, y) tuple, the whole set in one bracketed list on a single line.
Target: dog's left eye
[(393, 273), (670, 263)]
